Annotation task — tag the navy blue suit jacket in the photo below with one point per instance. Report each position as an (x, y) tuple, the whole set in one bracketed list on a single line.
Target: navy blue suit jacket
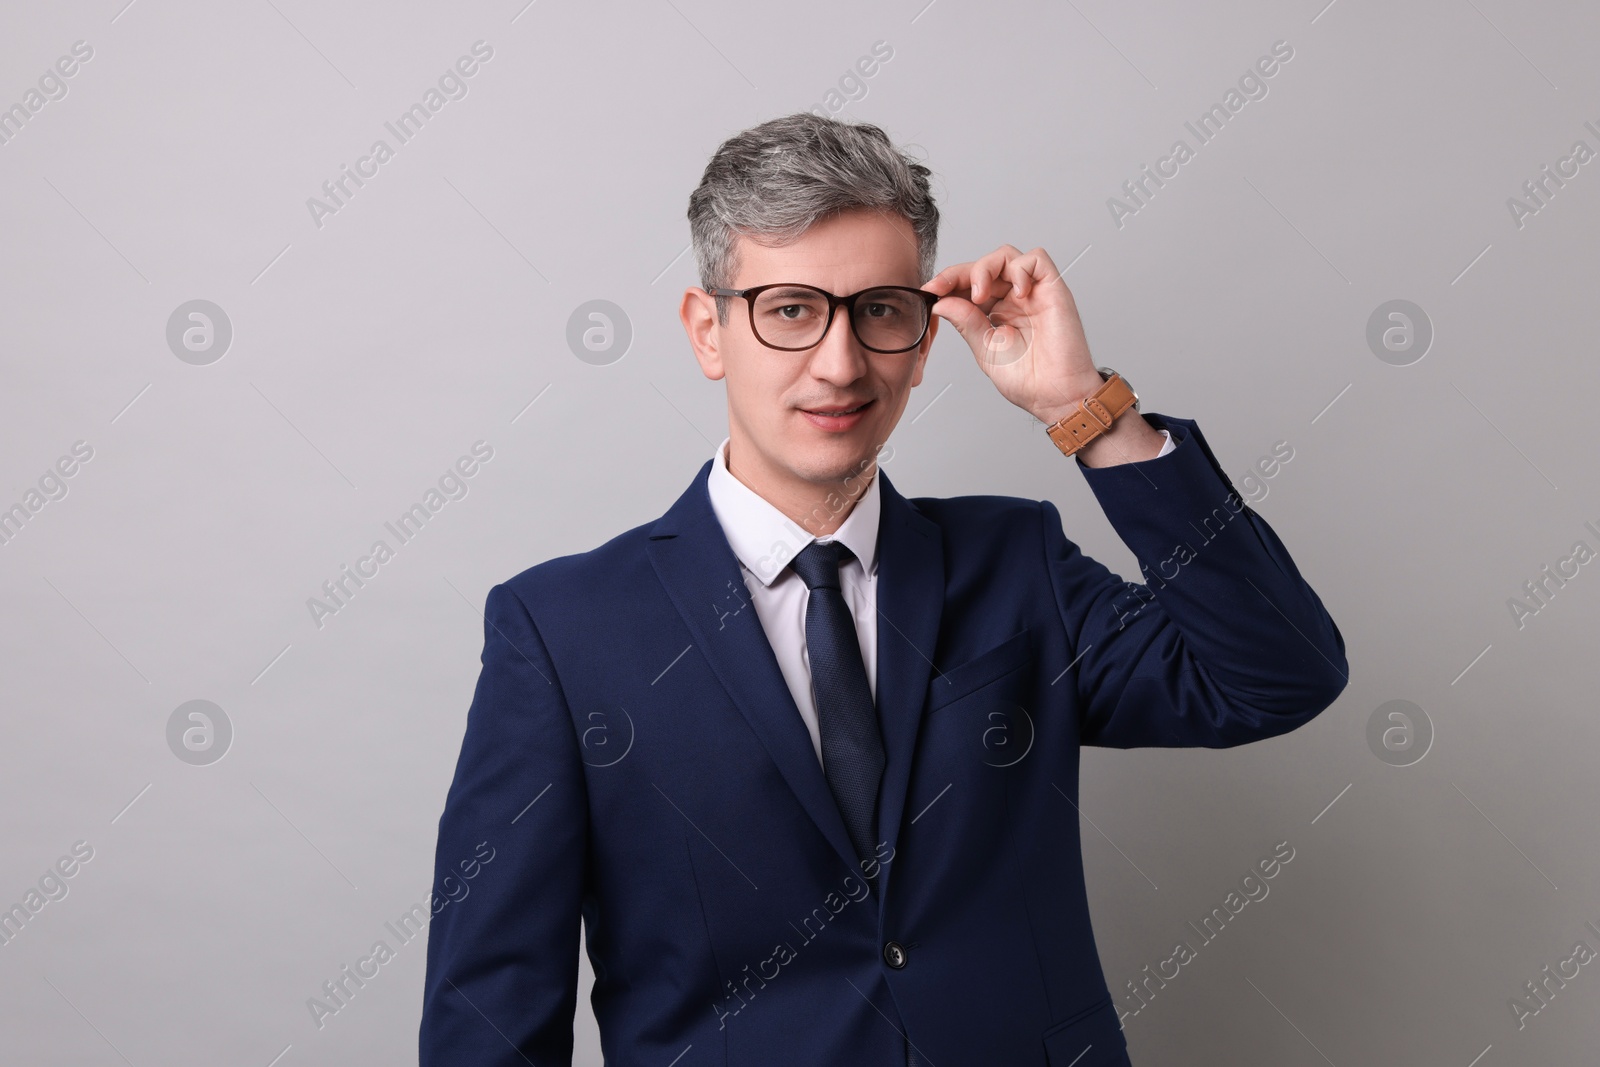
[(632, 755)]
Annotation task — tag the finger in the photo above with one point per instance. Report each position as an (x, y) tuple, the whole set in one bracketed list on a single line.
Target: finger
[(984, 270), (965, 287), (983, 281), (988, 274), (946, 281), (1028, 271), (1045, 269), (1020, 273)]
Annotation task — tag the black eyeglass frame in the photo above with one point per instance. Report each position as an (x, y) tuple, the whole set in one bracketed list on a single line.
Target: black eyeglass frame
[(834, 302)]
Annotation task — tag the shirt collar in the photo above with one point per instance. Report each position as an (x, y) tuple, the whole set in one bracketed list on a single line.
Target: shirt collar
[(765, 539)]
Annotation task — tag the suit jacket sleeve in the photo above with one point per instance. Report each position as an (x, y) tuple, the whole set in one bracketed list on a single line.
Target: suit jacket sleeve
[(1224, 643), (502, 973)]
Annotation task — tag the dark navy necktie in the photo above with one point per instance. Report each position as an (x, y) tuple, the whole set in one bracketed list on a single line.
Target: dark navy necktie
[(847, 720)]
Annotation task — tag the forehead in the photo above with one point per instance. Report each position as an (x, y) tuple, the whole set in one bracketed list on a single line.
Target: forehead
[(842, 253)]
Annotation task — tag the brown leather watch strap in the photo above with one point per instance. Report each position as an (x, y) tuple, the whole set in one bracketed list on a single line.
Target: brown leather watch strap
[(1093, 416)]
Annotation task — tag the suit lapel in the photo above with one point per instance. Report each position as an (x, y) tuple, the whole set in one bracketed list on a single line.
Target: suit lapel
[(910, 603), (692, 558)]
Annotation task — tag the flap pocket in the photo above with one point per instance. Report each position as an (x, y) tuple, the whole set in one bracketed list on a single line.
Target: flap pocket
[(1089, 1038), (980, 670)]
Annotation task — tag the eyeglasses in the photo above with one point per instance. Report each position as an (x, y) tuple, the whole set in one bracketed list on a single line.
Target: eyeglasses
[(792, 318)]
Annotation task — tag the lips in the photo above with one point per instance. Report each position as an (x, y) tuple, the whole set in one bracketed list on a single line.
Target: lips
[(836, 411)]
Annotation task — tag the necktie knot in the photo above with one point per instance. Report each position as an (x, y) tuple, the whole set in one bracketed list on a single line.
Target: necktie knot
[(818, 563)]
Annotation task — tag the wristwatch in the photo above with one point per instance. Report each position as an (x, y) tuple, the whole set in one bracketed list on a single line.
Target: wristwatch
[(1095, 413)]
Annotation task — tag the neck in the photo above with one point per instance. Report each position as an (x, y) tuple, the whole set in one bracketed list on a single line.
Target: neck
[(817, 507)]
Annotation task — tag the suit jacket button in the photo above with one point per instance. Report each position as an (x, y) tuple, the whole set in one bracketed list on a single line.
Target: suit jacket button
[(894, 954)]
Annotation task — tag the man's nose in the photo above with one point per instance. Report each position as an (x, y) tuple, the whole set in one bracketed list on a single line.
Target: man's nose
[(839, 356)]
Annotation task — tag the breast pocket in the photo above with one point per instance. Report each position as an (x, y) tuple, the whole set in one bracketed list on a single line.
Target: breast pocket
[(981, 670)]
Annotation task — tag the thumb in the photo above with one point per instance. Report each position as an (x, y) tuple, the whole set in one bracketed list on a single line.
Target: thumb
[(973, 325)]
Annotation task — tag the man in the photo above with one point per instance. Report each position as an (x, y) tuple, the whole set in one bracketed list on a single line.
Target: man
[(803, 753)]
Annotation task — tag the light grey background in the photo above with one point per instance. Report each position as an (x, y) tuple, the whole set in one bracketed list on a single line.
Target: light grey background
[(432, 310)]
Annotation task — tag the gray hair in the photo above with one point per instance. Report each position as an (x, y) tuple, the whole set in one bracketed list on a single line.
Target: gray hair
[(774, 181)]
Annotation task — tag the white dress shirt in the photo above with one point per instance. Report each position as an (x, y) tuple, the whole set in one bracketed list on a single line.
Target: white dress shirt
[(765, 540)]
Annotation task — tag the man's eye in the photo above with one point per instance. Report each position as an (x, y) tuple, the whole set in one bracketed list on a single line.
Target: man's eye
[(782, 312), (881, 311)]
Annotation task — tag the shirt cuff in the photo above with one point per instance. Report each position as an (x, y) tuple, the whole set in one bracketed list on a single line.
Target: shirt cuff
[(1167, 446)]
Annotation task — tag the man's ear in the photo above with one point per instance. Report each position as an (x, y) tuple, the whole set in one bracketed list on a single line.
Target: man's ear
[(922, 351), (698, 313)]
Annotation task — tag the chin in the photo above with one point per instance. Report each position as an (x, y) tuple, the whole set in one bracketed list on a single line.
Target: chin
[(834, 458)]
